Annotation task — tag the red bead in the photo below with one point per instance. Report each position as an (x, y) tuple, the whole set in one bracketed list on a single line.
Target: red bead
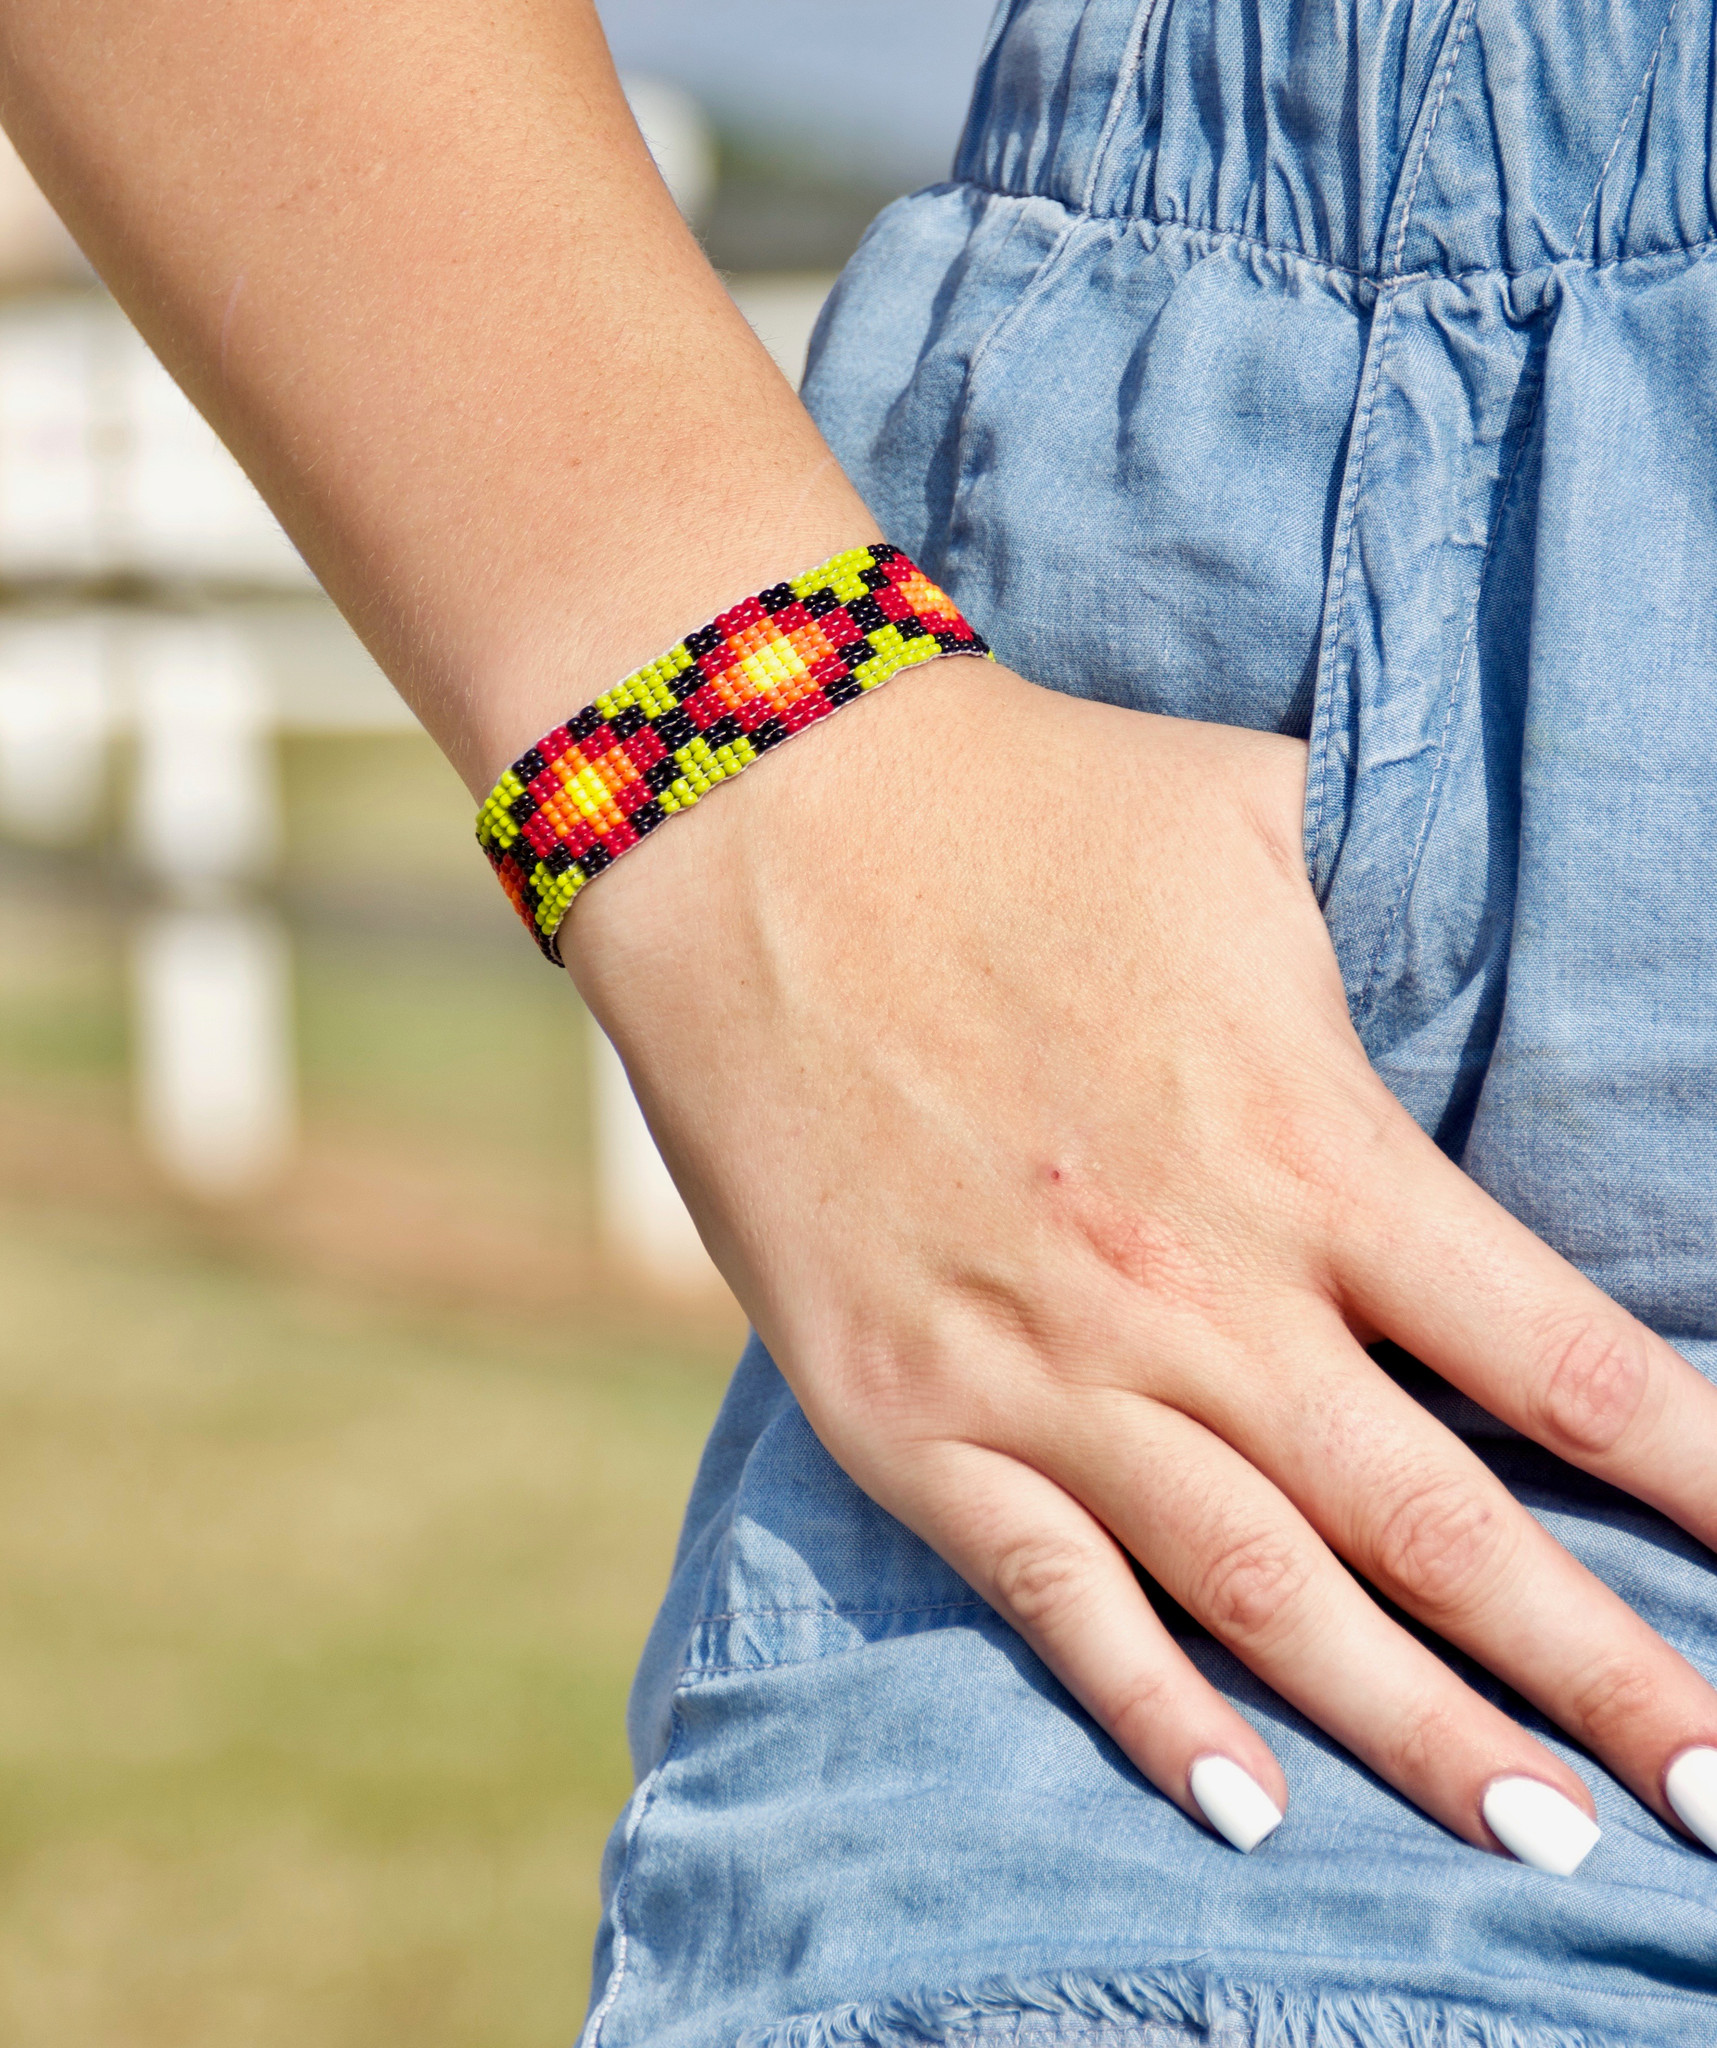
[(702, 707), (644, 749)]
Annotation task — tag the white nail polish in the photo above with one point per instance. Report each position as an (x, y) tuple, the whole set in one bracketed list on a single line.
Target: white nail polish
[(1234, 1802), (1690, 1785), (1533, 1821)]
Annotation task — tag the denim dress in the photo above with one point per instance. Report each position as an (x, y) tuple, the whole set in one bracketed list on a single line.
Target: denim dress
[(1348, 370)]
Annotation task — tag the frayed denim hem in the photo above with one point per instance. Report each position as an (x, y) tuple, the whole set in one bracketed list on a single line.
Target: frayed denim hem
[(1162, 2009)]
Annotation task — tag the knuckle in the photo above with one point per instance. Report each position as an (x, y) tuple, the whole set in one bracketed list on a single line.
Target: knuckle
[(1594, 1387), (1326, 1151), (1036, 1578), (1247, 1590), (1439, 1537), (1136, 1704), (1611, 1702), (1420, 1747)]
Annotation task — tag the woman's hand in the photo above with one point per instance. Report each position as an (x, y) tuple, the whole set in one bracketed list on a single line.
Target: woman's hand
[(997, 1043)]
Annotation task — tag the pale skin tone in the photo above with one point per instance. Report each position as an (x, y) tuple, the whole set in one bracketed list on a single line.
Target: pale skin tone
[(1061, 1190)]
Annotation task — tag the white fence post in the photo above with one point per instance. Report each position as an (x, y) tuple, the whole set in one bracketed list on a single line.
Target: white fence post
[(54, 721), (213, 995)]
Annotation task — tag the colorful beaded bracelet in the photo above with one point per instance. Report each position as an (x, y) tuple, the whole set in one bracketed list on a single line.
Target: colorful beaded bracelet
[(593, 787)]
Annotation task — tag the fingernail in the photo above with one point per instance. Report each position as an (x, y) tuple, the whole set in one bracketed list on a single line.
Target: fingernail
[(1533, 1821), (1690, 1784), (1234, 1802)]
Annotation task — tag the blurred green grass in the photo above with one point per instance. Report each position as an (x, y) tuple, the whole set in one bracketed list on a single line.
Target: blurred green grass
[(330, 1524)]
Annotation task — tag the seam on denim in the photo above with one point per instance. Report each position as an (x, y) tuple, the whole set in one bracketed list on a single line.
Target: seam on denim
[(1665, 252), (1626, 123), (1329, 654), (1433, 795), (1457, 42), (1131, 58), (592, 2035), (822, 1607), (1173, 2006), (1207, 231), (1377, 356), (1012, 314)]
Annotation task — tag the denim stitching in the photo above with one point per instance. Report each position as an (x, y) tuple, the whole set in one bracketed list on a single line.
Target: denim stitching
[(1439, 770), (1378, 353), (858, 1613), (592, 2035), (1627, 123), (1131, 59), (1210, 232), (1457, 42), (1051, 263), (1330, 654)]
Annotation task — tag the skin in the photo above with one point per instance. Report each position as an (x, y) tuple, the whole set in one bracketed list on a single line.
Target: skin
[(1031, 1132)]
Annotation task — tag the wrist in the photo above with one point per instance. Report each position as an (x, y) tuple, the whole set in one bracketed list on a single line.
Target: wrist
[(794, 841), (641, 598)]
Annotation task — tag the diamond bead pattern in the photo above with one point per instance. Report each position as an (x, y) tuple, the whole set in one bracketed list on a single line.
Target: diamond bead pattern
[(654, 744)]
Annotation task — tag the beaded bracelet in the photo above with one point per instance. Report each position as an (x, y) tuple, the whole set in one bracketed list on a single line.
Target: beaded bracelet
[(593, 787)]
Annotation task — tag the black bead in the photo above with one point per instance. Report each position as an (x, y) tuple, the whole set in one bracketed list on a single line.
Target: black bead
[(910, 628), (676, 729), (724, 732), (704, 641), (660, 774), (821, 602), (769, 734), (647, 817), (874, 579), (585, 723), (884, 551), (529, 765), (866, 614), (625, 723), (953, 643), (776, 598), (594, 859), (844, 691), (522, 807), (557, 860)]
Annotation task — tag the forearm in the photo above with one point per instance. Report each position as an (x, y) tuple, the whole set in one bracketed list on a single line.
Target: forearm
[(413, 261)]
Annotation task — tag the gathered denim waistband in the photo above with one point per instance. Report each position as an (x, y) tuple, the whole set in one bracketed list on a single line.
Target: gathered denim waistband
[(1383, 138)]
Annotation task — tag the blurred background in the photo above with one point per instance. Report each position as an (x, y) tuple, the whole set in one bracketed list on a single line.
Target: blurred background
[(353, 1363)]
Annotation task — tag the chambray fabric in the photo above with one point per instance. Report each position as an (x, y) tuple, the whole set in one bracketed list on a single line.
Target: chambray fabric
[(1352, 370)]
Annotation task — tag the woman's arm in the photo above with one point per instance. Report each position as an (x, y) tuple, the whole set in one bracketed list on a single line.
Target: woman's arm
[(994, 1037), (413, 261)]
